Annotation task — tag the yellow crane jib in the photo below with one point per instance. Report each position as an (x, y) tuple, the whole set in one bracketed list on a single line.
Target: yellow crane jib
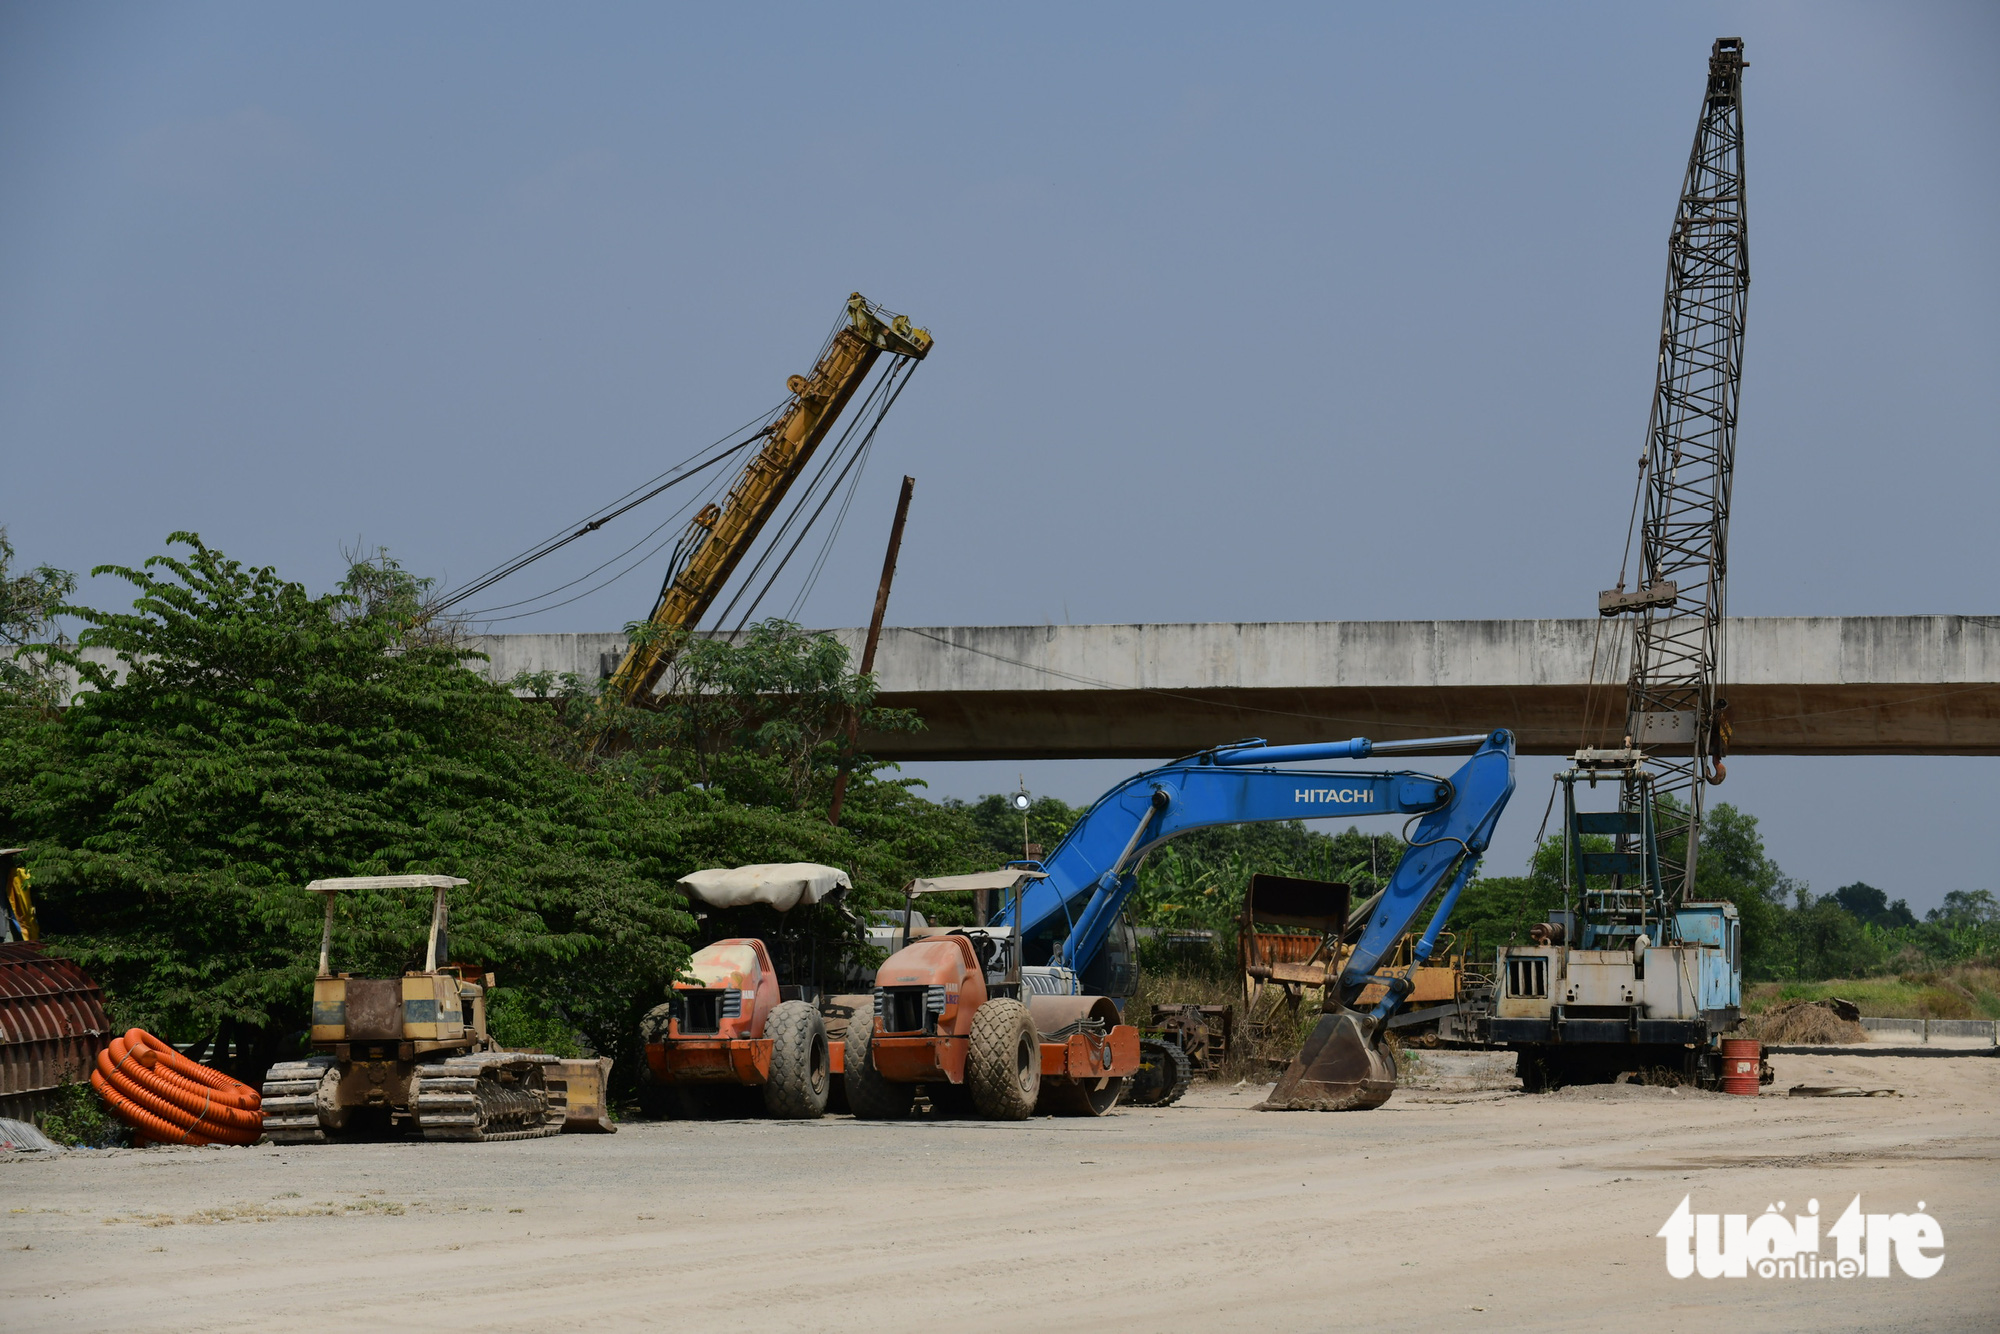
[(719, 536)]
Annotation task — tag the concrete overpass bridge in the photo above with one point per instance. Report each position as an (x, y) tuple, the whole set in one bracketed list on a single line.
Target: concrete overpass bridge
[(1853, 685)]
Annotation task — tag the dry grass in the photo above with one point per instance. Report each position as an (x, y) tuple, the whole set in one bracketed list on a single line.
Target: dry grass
[(260, 1212), (1964, 991), (1277, 1035), (1794, 1023)]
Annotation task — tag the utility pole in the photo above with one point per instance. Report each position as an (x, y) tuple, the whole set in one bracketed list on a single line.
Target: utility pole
[(874, 638), (1022, 803)]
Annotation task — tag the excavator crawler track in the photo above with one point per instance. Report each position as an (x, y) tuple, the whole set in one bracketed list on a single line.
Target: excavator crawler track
[(487, 1096)]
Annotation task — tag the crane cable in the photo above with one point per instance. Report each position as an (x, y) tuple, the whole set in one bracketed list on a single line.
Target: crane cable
[(869, 404), (654, 550), (521, 562), (811, 580), (887, 389)]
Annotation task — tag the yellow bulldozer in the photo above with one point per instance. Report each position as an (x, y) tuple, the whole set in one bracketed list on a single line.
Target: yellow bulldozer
[(410, 1055)]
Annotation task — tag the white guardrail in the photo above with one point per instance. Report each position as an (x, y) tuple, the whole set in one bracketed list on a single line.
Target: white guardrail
[(1943, 1028)]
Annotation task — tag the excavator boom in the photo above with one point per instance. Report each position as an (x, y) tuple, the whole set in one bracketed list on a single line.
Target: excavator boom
[(720, 536)]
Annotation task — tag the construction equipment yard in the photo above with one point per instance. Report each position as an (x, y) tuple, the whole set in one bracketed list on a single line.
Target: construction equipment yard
[(649, 991), (1462, 1204)]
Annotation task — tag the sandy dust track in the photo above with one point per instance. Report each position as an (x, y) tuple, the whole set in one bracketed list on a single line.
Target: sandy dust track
[(1456, 1206)]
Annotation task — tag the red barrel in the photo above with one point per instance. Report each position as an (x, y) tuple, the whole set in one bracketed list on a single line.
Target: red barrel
[(1742, 1059)]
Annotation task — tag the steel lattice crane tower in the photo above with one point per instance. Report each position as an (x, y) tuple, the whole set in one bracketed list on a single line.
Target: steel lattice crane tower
[(1673, 710)]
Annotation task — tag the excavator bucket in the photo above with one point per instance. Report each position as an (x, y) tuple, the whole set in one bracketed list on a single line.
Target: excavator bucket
[(1341, 1068)]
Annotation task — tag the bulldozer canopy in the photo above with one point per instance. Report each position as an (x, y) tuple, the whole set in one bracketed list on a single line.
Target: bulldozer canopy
[(782, 885), (386, 882)]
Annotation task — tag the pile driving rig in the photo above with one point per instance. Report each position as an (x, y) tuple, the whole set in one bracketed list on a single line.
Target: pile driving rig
[(1636, 973)]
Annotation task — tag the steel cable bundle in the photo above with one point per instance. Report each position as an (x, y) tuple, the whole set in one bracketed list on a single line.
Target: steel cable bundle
[(168, 1099)]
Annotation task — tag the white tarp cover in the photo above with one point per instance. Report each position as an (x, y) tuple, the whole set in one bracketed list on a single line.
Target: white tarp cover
[(783, 885), (945, 884)]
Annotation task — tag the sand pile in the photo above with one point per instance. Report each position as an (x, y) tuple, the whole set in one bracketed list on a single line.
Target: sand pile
[(1808, 1023)]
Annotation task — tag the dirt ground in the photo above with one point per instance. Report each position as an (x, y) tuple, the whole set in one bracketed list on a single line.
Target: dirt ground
[(1462, 1204)]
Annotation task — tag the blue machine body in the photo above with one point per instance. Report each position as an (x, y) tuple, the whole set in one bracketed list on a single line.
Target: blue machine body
[(1095, 868)]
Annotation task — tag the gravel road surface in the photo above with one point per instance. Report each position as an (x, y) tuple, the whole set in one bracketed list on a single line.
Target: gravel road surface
[(1462, 1204)]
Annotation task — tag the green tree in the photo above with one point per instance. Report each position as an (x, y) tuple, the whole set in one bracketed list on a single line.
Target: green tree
[(763, 714), (1499, 910), (1967, 907), (260, 738), (1000, 825), (1825, 940), (29, 604), (1871, 905)]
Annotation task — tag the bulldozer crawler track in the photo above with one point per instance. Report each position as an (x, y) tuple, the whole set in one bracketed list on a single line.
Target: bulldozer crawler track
[(487, 1097), (291, 1102)]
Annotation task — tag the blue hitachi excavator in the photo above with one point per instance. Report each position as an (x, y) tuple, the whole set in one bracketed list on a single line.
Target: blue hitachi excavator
[(1067, 917)]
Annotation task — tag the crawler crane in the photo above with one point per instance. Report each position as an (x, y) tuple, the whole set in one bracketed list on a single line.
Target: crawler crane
[(1634, 972)]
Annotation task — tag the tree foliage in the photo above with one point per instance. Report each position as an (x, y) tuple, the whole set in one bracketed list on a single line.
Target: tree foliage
[(29, 604), (764, 714), (1871, 905), (1002, 831), (254, 737)]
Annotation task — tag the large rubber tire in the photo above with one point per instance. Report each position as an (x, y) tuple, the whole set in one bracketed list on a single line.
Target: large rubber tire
[(801, 1066), (869, 1096), (1004, 1067)]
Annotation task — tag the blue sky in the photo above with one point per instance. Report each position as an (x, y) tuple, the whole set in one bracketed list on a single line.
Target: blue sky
[(1288, 313)]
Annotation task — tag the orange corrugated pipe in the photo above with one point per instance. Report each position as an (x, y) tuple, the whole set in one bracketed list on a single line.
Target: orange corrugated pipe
[(170, 1099)]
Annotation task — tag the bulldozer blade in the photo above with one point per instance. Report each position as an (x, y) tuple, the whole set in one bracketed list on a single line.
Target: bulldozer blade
[(1340, 1068), (586, 1110)]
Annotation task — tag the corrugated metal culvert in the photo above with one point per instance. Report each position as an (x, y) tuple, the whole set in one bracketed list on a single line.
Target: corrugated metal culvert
[(52, 1025)]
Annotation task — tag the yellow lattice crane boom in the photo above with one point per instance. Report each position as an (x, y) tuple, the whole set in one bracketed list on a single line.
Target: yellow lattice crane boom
[(720, 535)]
